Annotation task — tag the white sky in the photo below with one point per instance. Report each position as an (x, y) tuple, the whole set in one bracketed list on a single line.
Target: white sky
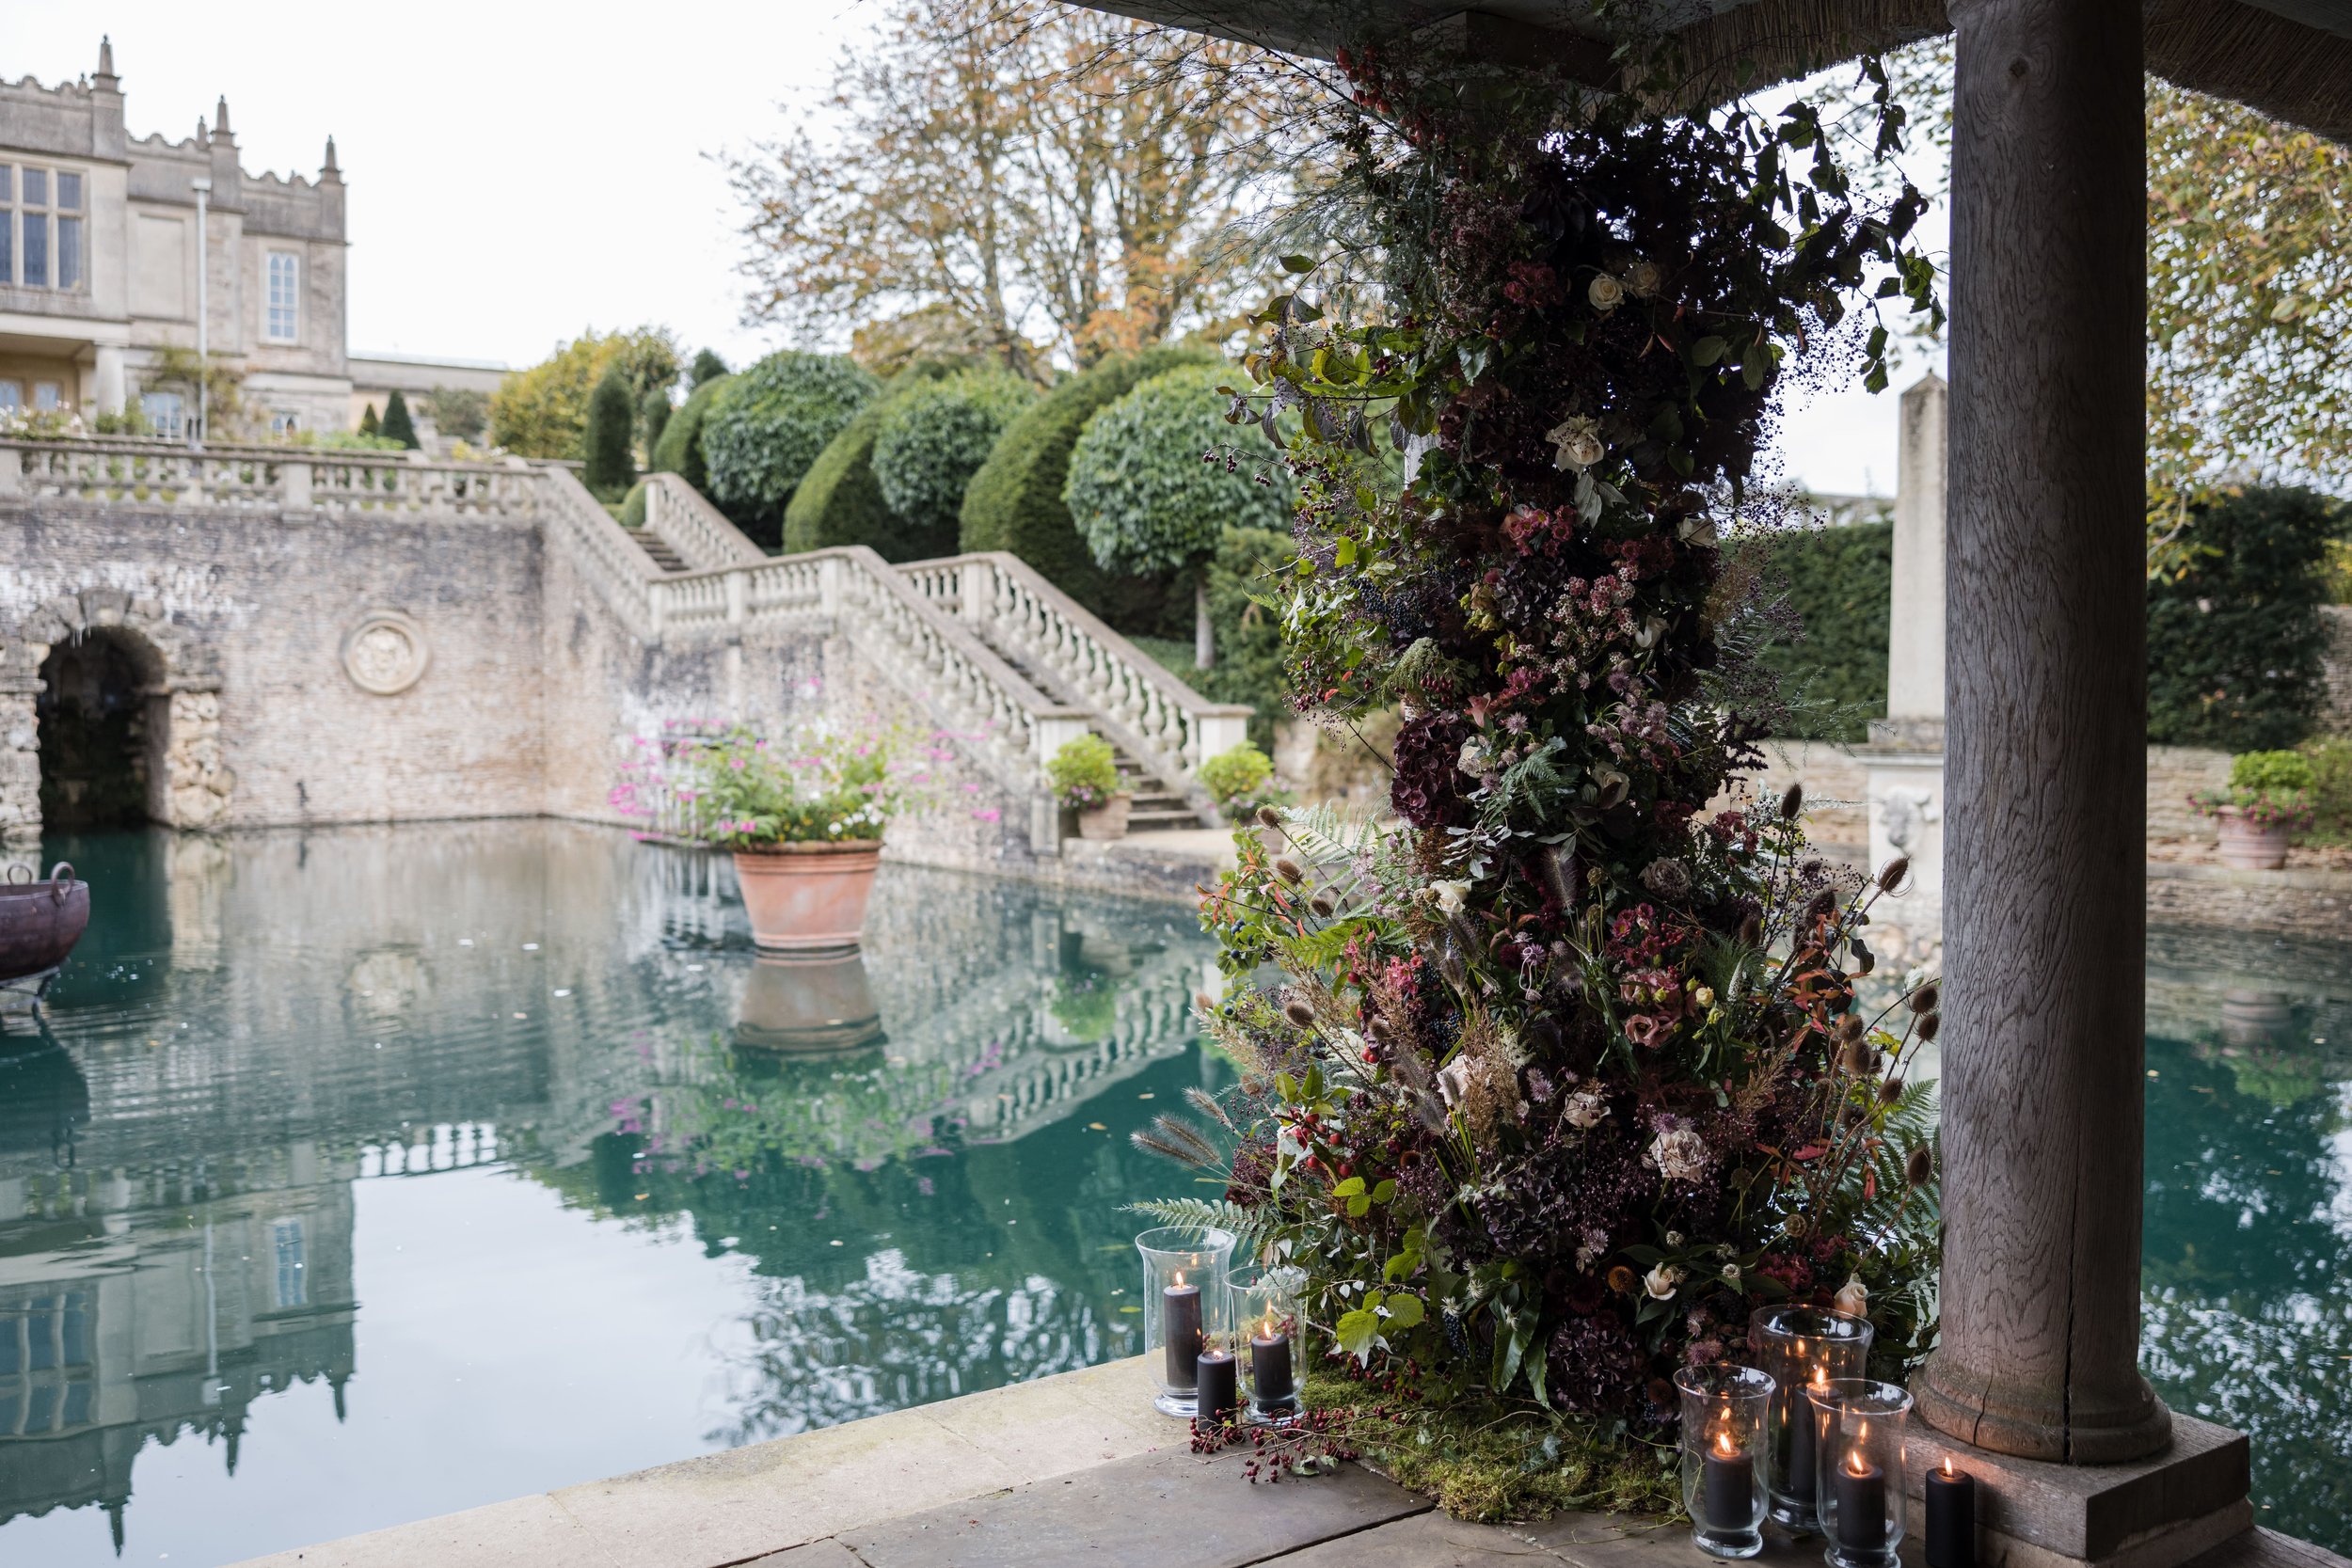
[(518, 173)]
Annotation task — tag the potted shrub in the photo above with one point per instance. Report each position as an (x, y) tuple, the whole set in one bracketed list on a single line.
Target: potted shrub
[(1085, 775), (804, 819), (1242, 780), (2268, 801)]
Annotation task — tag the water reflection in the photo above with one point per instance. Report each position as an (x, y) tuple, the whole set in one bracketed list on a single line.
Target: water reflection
[(2247, 1300), (282, 1066)]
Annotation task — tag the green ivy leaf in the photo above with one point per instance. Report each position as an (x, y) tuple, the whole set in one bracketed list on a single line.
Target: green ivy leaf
[(1706, 351)]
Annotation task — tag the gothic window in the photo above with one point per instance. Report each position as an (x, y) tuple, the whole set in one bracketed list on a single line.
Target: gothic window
[(285, 284)]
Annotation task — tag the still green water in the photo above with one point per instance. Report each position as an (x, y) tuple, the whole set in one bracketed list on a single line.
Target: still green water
[(371, 1174)]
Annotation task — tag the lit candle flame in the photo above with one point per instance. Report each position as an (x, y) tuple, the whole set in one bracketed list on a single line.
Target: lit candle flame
[(1179, 1278), (1722, 1442), (1854, 1463), (1948, 1465), (1265, 1328)]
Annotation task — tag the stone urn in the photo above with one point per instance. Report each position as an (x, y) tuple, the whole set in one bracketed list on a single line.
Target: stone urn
[(2247, 846), (807, 897), (1107, 820)]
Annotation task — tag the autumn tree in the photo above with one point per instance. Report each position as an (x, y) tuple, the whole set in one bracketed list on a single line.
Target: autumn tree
[(1038, 184), (543, 411)]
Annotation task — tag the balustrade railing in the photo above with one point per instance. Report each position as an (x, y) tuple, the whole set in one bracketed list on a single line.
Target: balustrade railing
[(129, 470), (1075, 657), (701, 534)]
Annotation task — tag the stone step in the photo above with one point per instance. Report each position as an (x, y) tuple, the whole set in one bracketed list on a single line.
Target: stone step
[(659, 547)]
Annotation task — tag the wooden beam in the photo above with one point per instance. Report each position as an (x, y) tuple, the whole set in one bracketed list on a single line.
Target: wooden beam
[(2045, 685)]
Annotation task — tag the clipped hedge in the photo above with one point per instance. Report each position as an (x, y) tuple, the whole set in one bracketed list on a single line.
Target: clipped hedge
[(761, 437), (839, 500), (1143, 498), (933, 440), (2235, 646), (679, 451), (1841, 583), (1015, 502)]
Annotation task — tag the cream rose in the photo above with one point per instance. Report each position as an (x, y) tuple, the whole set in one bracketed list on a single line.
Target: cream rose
[(1605, 293)]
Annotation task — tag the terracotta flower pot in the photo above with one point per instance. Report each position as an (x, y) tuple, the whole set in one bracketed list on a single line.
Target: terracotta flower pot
[(807, 897), (811, 1006), (2249, 847), (1107, 820)]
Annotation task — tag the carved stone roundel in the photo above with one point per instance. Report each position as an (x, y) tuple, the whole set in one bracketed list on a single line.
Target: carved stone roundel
[(384, 653)]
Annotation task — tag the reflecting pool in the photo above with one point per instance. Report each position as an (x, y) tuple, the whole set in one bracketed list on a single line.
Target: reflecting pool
[(367, 1173)]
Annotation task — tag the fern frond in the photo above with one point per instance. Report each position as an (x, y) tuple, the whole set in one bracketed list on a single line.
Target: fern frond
[(1251, 1232)]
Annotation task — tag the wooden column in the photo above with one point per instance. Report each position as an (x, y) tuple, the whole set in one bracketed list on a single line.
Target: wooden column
[(2045, 693)]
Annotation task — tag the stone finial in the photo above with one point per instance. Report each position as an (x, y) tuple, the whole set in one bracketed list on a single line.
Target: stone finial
[(331, 169), (105, 58), (203, 133), (220, 116)]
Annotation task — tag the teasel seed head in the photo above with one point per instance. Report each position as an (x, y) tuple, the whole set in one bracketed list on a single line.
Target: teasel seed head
[(1853, 1054), (1203, 1001), (1890, 1088), (1824, 905), (1288, 869), (1928, 997), (1322, 904), (1752, 930), (1269, 817), (1848, 1028), (1892, 874), (1296, 1010), (1797, 1227), (1930, 1025), (1792, 801), (1919, 1165)]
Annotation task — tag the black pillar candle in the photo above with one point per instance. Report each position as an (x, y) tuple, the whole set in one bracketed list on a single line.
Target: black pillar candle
[(1180, 1324), (1219, 1381), (1727, 1493), (1860, 1488), (1801, 1447), (1270, 1367), (1951, 1518)]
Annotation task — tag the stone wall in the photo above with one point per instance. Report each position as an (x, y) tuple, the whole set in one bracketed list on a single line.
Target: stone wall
[(2338, 715), (373, 669)]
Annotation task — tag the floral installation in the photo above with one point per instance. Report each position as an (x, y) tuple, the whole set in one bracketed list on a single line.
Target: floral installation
[(730, 786), (1571, 1067)]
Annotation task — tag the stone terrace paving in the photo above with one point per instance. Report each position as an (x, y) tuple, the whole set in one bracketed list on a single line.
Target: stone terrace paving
[(1073, 1469)]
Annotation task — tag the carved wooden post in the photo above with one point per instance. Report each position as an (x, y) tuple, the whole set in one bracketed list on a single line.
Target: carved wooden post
[(2046, 682)]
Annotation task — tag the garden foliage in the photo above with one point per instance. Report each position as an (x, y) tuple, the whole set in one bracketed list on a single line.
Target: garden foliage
[(611, 469), (679, 451), (543, 411), (2235, 641), (1015, 502), (1154, 482), (839, 500), (777, 417), (1570, 1071), (1838, 584), (1084, 771), (932, 441), (398, 424)]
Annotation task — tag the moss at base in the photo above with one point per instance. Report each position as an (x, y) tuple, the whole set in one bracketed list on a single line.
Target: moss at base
[(1492, 1463)]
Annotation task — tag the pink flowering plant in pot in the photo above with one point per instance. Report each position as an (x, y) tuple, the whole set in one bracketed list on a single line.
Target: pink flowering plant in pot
[(1580, 1056), (2269, 800)]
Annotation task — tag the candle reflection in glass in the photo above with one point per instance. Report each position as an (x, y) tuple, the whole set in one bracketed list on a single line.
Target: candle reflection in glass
[(1803, 1349), (1185, 1307), (1724, 1414), (1860, 1466), (1266, 1301)]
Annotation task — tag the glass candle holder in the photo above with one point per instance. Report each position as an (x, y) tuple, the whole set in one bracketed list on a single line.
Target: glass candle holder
[(1859, 1485), (1802, 1347), (1186, 1306), (1269, 1339), (1726, 1415)]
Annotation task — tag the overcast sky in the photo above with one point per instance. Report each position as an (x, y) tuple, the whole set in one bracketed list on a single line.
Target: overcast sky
[(521, 172)]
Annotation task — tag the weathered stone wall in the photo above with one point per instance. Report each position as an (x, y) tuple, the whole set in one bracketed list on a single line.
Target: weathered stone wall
[(2338, 715), (245, 616)]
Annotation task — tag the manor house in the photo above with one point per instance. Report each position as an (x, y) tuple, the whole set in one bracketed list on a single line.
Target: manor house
[(103, 272)]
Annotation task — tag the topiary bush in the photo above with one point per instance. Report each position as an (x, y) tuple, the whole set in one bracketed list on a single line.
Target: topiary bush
[(931, 441), (2331, 787), (1248, 666), (610, 417), (839, 500), (1839, 583), (2235, 644), (761, 437), (1015, 502), (1242, 780), (679, 451), (1141, 494), (398, 426)]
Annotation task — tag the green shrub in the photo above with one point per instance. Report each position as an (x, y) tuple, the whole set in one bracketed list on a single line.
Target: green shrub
[(2331, 786), (1084, 772), (398, 425), (1839, 581), (2235, 644), (679, 451), (368, 423), (761, 437), (1144, 499), (708, 366), (1242, 780), (840, 500), (1248, 666), (653, 418), (2270, 772), (632, 513), (1015, 502), (931, 441), (609, 471)]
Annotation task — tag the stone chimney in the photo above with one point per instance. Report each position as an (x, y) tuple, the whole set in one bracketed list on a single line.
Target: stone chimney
[(1914, 643), (108, 136)]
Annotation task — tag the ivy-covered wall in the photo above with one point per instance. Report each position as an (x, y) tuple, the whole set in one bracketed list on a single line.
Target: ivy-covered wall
[(1838, 581)]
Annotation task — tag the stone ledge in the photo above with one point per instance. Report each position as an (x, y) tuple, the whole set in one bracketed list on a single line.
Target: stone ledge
[(2302, 878)]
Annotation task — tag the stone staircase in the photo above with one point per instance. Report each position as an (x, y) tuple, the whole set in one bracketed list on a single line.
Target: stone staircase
[(993, 650)]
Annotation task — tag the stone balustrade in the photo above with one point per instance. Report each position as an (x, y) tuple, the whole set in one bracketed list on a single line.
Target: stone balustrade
[(701, 534), (288, 479), (1161, 721)]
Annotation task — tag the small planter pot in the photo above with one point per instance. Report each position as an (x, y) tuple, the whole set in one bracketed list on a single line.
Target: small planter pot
[(1107, 820), (807, 897), (2247, 847)]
